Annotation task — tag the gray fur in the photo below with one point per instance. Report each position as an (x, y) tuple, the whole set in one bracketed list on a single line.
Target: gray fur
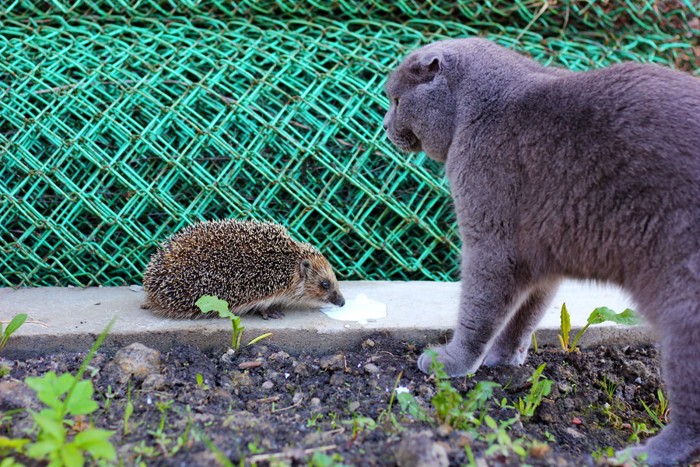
[(558, 174)]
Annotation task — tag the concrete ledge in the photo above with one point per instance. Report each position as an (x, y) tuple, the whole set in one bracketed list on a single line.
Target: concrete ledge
[(69, 319)]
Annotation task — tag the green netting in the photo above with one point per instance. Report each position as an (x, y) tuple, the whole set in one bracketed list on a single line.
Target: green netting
[(121, 122)]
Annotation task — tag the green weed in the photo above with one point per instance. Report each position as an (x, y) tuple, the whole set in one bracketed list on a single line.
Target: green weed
[(453, 409), (15, 323), (541, 387), (597, 316), (67, 397), (660, 413), (609, 387), (200, 382), (500, 442), (209, 303)]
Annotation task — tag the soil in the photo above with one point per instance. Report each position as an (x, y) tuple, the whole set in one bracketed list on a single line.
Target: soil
[(262, 405)]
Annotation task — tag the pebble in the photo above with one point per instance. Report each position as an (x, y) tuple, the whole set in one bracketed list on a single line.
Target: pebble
[(371, 368), (574, 433), (154, 382), (241, 379), (228, 357), (268, 385), (17, 395), (332, 362), (353, 406), (419, 450), (279, 356), (315, 402), (297, 397), (134, 361)]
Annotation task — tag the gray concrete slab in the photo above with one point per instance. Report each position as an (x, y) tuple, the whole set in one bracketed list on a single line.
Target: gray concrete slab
[(422, 312)]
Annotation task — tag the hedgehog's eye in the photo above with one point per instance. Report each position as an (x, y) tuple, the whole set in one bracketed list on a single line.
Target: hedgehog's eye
[(326, 285)]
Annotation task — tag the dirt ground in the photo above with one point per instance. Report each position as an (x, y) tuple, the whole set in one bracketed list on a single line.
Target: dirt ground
[(262, 405)]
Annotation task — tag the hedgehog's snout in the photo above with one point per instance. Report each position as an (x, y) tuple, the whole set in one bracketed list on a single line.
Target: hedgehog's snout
[(337, 299)]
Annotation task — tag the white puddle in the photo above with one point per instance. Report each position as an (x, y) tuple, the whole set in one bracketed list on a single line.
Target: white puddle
[(360, 309)]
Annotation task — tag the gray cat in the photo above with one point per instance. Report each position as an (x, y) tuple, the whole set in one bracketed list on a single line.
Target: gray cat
[(557, 174)]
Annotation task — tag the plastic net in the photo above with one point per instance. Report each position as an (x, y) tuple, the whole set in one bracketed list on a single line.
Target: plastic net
[(121, 122)]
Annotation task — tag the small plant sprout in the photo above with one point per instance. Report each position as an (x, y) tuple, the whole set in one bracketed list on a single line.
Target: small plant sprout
[(200, 382), (209, 303), (660, 413), (565, 327), (66, 398), (15, 323), (455, 410), (541, 387), (609, 386), (597, 316)]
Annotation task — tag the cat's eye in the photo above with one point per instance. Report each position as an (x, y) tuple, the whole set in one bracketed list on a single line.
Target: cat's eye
[(326, 285)]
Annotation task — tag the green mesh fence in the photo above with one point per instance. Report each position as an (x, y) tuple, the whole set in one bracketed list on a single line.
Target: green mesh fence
[(122, 121)]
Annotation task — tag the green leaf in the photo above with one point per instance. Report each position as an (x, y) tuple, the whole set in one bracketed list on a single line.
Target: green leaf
[(96, 442), (565, 326), (491, 423), (14, 325), (12, 443), (42, 449), (79, 401), (602, 314), (72, 456), (209, 303), (50, 428)]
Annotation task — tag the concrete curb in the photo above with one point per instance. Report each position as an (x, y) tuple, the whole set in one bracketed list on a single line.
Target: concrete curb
[(69, 319)]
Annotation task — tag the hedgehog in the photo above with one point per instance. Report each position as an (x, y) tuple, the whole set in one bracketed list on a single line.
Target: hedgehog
[(255, 266)]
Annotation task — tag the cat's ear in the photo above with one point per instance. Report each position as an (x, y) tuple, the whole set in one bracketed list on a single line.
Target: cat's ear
[(428, 65)]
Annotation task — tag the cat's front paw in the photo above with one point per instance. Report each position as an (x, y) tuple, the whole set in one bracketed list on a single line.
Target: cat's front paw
[(454, 361), (499, 356)]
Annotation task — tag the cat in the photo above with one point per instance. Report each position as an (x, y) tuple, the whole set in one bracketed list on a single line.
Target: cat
[(558, 174)]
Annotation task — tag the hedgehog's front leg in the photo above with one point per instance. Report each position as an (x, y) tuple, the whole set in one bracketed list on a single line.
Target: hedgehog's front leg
[(274, 313)]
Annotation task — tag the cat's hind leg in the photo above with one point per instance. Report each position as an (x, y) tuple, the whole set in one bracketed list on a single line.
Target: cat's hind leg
[(678, 324)]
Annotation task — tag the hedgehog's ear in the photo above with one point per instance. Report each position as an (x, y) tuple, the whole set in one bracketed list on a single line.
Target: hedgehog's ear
[(305, 267)]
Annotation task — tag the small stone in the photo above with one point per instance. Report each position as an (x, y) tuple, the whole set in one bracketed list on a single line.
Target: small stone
[(353, 406), (229, 357), (444, 430), (17, 395), (337, 379), (134, 361), (297, 397), (574, 433), (315, 402), (239, 378), (154, 382), (419, 450), (547, 411), (278, 356), (268, 385), (372, 369), (301, 370), (577, 421), (332, 362), (368, 344)]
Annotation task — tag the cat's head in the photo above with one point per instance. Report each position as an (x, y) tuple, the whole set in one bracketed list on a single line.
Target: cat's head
[(422, 107)]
